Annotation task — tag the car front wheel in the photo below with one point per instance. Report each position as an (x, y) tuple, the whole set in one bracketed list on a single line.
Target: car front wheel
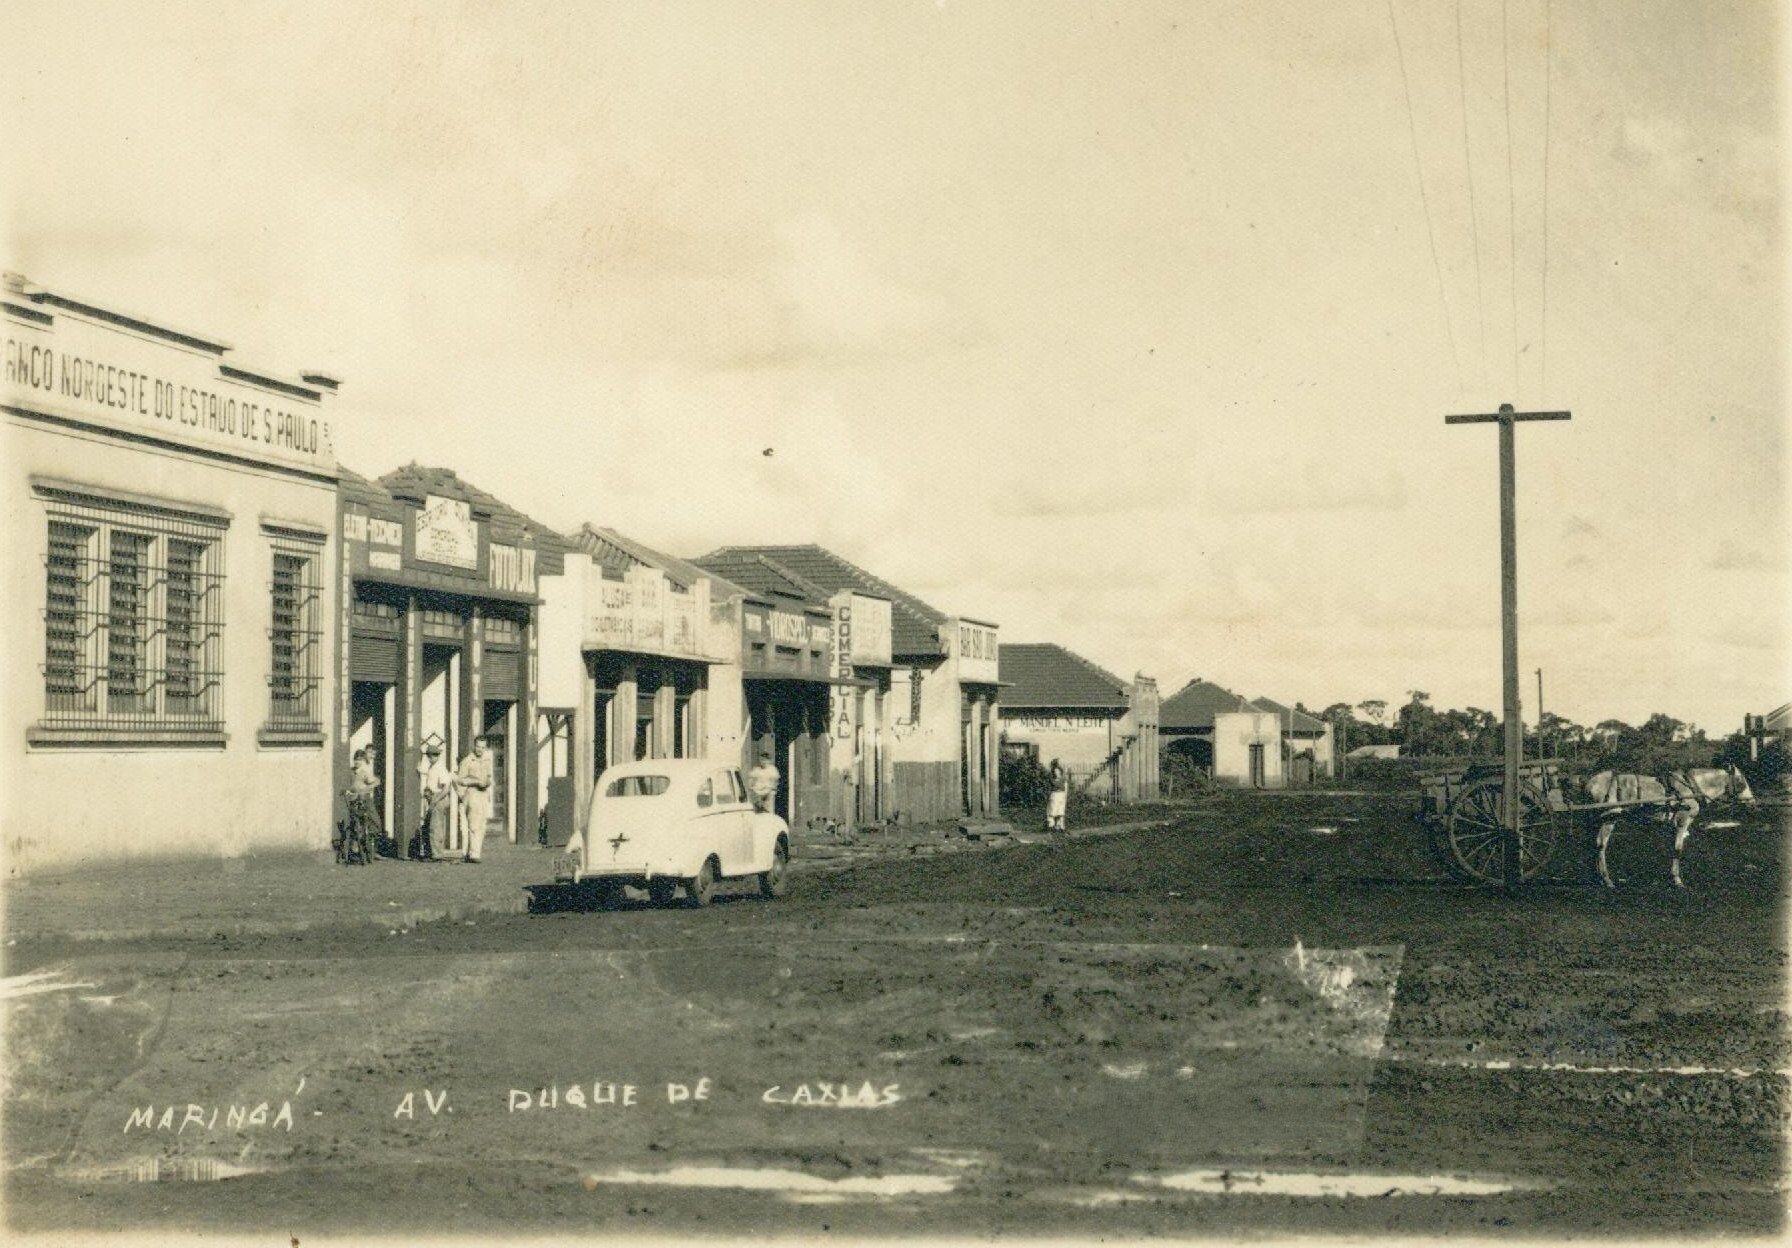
[(701, 887), (774, 881)]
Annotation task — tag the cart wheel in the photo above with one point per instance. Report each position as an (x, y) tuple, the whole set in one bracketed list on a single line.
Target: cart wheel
[(1472, 844)]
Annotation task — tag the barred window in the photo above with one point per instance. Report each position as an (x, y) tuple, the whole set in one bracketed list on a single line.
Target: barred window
[(133, 622), (296, 638)]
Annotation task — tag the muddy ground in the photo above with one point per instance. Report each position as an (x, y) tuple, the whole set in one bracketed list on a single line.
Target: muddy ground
[(1036, 1040)]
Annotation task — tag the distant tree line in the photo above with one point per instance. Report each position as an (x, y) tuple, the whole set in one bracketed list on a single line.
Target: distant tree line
[(1659, 743)]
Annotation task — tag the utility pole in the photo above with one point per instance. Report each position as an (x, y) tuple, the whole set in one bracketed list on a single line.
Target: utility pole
[(1542, 748), (1507, 419)]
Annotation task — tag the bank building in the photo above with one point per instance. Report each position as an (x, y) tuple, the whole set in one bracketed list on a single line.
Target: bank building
[(171, 523)]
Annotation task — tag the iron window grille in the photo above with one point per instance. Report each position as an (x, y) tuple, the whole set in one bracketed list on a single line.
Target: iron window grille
[(295, 637), (133, 622)]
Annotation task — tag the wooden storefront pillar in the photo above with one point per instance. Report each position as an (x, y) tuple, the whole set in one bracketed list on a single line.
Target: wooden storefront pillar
[(472, 682)]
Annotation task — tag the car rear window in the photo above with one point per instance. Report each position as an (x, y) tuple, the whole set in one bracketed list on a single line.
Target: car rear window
[(638, 786)]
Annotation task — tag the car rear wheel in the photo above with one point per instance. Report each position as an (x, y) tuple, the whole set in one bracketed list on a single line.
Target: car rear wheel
[(701, 887), (662, 890), (774, 881)]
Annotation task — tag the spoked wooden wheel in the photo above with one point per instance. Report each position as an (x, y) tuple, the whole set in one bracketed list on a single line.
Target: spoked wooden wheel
[(1474, 848)]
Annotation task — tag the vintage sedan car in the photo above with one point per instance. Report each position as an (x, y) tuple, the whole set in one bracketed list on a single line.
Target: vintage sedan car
[(666, 823)]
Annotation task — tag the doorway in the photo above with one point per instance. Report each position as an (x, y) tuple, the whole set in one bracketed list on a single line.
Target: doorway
[(500, 741), (1257, 764)]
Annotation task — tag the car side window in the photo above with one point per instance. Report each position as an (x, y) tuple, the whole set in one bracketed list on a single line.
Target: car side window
[(724, 789), (706, 793), (740, 786), (638, 786)]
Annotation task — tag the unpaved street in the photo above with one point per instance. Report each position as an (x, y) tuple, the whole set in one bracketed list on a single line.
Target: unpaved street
[(1236, 1022)]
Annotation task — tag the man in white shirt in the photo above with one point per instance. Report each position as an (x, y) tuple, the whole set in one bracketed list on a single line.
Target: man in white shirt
[(474, 783), (762, 783)]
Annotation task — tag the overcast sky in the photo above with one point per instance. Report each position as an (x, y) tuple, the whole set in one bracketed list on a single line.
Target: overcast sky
[(1117, 324)]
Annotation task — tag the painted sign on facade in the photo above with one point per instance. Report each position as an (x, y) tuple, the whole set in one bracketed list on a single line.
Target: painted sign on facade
[(870, 630), (976, 647), (446, 533), (811, 639), (64, 364), (1027, 721), (512, 569), (642, 613)]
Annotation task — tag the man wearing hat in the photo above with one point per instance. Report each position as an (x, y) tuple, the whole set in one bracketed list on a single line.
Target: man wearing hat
[(438, 793)]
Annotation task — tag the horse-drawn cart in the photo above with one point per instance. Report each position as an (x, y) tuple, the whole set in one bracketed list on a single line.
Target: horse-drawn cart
[(1464, 812), (1463, 809)]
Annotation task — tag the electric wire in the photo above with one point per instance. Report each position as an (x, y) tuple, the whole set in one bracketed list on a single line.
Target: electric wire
[(1412, 128)]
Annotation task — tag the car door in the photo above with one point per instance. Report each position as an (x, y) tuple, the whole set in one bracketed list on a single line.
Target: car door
[(737, 857)]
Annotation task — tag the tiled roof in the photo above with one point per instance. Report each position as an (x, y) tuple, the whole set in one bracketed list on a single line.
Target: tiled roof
[(762, 578), (1044, 674), (616, 554), (914, 625), (417, 480), (1297, 721), (1196, 703), (358, 489)]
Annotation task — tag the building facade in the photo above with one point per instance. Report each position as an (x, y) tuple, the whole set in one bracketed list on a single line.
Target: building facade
[(941, 710), (1231, 739), (1103, 730), (439, 593), (172, 521), (655, 662), (1309, 744)]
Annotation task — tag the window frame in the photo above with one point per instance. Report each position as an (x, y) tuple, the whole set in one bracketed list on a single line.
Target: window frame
[(284, 728), (95, 713)]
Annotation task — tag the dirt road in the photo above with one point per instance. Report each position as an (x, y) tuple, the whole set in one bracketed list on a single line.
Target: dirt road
[(1269, 1016)]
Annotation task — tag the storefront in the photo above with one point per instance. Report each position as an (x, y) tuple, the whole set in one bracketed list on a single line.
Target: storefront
[(650, 639), (786, 668), (440, 598), (171, 519)]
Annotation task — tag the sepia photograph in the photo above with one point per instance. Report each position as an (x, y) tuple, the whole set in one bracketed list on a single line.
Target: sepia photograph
[(894, 621)]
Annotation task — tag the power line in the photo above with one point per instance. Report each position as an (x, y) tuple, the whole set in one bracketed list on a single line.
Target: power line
[(1412, 128), (1511, 184), (1468, 166)]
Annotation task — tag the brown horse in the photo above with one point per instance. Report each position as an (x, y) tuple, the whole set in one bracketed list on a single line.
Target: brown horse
[(1674, 800)]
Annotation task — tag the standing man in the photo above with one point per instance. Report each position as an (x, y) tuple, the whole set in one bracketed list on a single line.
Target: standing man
[(474, 784), (762, 782), (438, 790)]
